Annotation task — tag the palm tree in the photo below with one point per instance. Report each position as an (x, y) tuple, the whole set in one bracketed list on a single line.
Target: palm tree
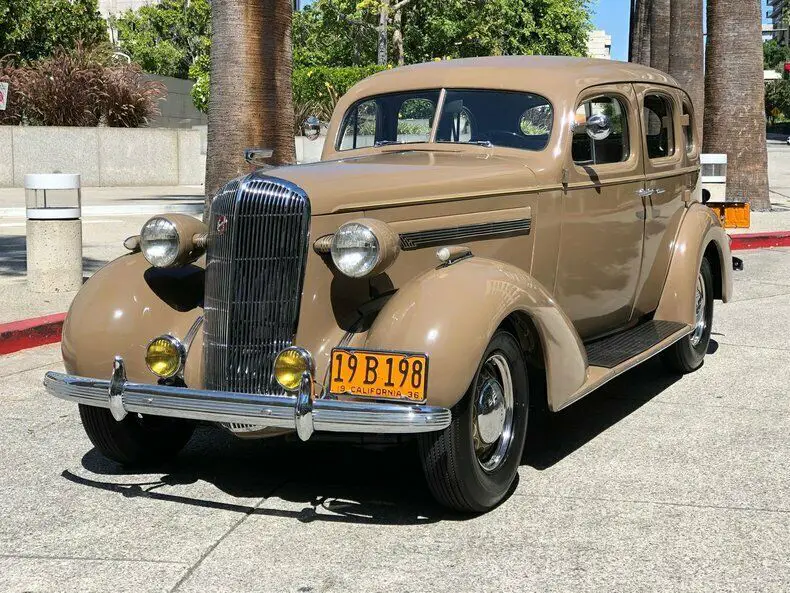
[(639, 36), (251, 103), (659, 34), (734, 96), (686, 52)]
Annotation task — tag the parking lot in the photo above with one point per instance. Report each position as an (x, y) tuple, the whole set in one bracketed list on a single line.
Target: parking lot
[(654, 482)]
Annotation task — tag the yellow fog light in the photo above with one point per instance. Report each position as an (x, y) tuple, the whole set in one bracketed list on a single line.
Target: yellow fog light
[(164, 356), (289, 366)]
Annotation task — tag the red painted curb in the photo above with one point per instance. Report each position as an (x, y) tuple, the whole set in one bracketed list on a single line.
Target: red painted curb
[(30, 333), (760, 240)]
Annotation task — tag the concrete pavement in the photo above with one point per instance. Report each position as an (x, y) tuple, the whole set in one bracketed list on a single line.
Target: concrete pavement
[(653, 482)]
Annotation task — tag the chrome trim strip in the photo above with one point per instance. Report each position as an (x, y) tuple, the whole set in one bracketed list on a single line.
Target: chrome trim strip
[(469, 232), (302, 413)]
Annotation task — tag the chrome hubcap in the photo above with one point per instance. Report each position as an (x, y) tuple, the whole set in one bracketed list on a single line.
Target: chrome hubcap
[(699, 313), (492, 428)]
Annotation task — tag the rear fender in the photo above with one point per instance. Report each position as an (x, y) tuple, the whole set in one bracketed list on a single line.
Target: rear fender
[(699, 232), (451, 312)]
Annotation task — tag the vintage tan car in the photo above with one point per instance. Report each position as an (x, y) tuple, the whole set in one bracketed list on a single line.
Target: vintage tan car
[(482, 237)]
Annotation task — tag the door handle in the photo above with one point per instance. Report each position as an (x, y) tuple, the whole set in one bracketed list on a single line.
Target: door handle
[(659, 190), (645, 193)]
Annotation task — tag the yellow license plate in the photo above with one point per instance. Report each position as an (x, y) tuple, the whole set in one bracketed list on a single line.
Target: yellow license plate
[(379, 375)]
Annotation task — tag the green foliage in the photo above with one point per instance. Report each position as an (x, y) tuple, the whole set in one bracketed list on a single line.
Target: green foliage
[(777, 96), (200, 72), (467, 28), (33, 29), (775, 55), (166, 38), (343, 32)]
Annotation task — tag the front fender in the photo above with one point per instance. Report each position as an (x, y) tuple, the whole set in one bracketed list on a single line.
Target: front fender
[(451, 312), (123, 307), (699, 230)]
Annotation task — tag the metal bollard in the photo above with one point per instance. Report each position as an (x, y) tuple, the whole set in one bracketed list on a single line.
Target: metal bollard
[(54, 232)]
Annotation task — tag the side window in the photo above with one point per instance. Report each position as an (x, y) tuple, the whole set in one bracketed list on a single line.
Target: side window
[(359, 129), (415, 119), (600, 145), (658, 126), (688, 128)]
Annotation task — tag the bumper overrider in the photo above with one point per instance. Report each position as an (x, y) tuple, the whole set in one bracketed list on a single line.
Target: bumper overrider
[(301, 412)]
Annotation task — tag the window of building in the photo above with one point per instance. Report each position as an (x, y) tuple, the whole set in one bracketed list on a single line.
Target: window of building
[(659, 131), (608, 148)]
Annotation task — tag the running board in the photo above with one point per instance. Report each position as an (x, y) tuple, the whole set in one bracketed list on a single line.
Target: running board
[(598, 374), (615, 349)]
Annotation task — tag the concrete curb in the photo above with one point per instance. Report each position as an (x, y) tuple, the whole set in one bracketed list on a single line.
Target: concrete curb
[(29, 333), (760, 240)]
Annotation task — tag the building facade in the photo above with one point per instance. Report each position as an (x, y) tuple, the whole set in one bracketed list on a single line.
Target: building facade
[(599, 45), (777, 25)]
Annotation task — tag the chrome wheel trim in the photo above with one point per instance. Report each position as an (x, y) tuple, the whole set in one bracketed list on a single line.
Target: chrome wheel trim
[(700, 323), (492, 412)]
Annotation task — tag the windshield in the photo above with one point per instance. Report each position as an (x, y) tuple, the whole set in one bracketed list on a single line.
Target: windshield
[(484, 117)]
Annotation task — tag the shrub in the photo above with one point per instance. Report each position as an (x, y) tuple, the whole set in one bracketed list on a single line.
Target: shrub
[(323, 85), (79, 88)]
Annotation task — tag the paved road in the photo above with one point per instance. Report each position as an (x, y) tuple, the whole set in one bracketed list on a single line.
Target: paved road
[(652, 483)]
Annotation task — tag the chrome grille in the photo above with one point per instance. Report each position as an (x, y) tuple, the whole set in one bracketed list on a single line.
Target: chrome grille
[(255, 258)]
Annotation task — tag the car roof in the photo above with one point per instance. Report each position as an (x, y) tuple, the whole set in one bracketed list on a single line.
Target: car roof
[(550, 76)]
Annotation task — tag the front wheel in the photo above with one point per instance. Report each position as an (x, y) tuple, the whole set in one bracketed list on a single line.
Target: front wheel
[(471, 465), (137, 439), (687, 354)]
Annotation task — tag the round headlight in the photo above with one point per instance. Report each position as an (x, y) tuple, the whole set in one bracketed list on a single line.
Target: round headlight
[(159, 242), (355, 249), (290, 365), (164, 356)]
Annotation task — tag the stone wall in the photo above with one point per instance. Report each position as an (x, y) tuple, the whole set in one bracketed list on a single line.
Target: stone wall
[(177, 109), (103, 156)]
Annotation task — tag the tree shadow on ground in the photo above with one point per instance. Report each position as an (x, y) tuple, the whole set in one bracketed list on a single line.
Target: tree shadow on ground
[(340, 482), (13, 257)]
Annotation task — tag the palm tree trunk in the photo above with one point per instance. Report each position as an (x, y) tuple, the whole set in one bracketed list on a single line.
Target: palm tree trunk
[(659, 35), (639, 37), (686, 52), (250, 105), (734, 98)]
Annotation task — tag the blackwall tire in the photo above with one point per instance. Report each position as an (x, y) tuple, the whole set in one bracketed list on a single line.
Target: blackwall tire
[(467, 467), (687, 354), (134, 440)]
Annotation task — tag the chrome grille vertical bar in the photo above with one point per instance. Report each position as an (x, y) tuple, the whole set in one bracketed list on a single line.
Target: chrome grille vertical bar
[(254, 281)]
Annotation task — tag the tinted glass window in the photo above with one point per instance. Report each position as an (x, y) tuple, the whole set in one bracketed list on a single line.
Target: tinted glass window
[(658, 126), (501, 118), (689, 130), (605, 148), (395, 118)]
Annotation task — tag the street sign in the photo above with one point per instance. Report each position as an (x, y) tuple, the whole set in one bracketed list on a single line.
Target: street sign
[(3, 95)]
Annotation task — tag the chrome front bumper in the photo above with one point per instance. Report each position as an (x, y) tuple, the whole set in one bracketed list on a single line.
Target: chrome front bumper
[(302, 412)]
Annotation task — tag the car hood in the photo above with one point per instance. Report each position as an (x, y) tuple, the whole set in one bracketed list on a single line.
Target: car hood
[(399, 178)]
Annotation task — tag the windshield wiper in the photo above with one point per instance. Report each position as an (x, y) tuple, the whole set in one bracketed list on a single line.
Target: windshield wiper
[(386, 142), (486, 143)]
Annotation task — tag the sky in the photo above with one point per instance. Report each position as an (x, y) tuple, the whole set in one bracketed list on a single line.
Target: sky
[(613, 17)]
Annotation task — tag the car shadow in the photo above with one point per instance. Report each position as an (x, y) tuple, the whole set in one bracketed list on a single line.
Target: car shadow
[(340, 482), (552, 437)]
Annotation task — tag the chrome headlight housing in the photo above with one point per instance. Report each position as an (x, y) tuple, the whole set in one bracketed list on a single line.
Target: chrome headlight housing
[(355, 249), (172, 240), (159, 242)]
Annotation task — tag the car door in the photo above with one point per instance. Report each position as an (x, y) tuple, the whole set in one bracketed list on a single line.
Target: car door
[(671, 169), (602, 214)]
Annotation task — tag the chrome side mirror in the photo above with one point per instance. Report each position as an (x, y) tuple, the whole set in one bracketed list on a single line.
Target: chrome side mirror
[(312, 127), (598, 126)]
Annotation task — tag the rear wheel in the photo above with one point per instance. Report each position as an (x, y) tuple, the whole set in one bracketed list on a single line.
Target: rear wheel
[(471, 465), (137, 439), (687, 354)]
